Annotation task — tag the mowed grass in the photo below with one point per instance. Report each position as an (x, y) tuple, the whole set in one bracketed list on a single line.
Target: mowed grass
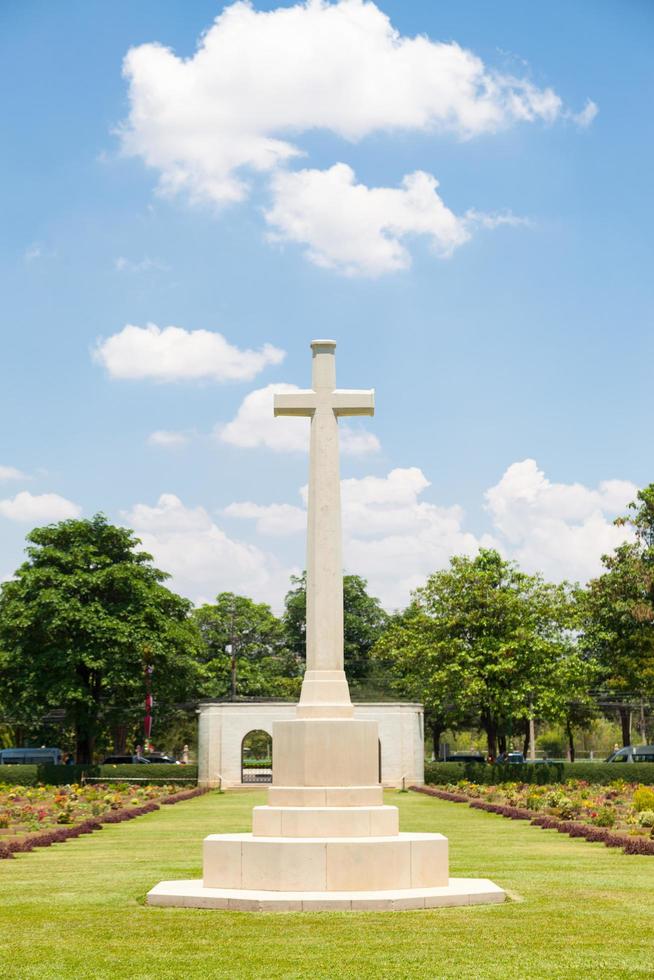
[(76, 909)]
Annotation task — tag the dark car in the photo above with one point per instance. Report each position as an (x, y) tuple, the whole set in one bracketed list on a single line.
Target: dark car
[(465, 757), (160, 759), (124, 760), (513, 758)]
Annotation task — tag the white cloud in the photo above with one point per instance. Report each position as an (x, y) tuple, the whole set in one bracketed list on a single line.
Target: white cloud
[(255, 425), (34, 251), (167, 439), (175, 354), (11, 473), (391, 537), (201, 558), (259, 79), (357, 229), (44, 507), (122, 264), (587, 114), (271, 519), (395, 539), (561, 529)]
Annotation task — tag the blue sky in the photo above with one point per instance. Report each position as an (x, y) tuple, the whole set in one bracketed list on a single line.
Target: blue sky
[(504, 316)]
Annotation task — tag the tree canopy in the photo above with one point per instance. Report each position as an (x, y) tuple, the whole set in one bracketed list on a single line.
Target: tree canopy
[(484, 642), (82, 619), (244, 650), (618, 620), (363, 618)]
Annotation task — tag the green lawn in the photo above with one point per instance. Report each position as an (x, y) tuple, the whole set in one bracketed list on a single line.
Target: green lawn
[(77, 909)]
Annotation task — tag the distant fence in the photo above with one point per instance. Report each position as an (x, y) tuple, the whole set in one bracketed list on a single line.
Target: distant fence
[(63, 775)]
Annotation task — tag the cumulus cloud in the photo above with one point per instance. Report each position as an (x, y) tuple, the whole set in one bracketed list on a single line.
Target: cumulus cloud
[(259, 79), (175, 354), (234, 114), (38, 508), (561, 529), (391, 537), (587, 114), (271, 519), (357, 229), (167, 439), (200, 556), (11, 473), (395, 538), (255, 425)]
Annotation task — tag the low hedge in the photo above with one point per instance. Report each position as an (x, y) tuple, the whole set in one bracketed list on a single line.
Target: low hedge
[(574, 828), (440, 773), (53, 775)]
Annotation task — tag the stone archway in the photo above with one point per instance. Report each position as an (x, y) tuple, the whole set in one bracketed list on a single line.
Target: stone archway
[(256, 757)]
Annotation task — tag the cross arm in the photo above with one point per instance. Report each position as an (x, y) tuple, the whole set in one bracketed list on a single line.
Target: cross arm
[(295, 403), (353, 402)]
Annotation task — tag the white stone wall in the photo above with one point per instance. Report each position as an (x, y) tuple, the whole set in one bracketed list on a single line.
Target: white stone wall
[(223, 726)]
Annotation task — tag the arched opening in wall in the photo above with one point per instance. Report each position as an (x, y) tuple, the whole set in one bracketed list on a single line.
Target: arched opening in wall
[(379, 758), (256, 757)]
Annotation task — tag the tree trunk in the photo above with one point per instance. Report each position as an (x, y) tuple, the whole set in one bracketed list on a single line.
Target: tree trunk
[(120, 739), (527, 739), (501, 742), (490, 728), (436, 731), (84, 746), (625, 722), (571, 740)]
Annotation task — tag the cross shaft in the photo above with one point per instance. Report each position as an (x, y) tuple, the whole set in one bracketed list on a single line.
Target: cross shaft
[(324, 690)]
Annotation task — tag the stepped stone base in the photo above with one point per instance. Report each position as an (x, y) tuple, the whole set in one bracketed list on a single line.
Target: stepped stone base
[(193, 894), (325, 863)]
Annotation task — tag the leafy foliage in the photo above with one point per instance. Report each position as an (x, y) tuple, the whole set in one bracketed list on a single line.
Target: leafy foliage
[(244, 651), (83, 617), (363, 617), (618, 624), (484, 640)]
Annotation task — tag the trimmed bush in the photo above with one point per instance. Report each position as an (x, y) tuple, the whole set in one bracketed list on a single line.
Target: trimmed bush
[(451, 772), (441, 773), (19, 775), (52, 775)]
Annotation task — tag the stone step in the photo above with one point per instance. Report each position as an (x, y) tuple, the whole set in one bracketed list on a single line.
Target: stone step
[(406, 860), (327, 821)]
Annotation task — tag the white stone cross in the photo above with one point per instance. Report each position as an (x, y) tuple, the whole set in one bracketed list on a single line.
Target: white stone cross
[(324, 690)]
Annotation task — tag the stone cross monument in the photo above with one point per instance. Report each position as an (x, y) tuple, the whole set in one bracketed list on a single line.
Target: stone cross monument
[(324, 692), (325, 839)]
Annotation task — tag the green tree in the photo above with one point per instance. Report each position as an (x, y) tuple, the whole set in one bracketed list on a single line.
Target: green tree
[(244, 650), (618, 622), (483, 640), (364, 621), (81, 620)]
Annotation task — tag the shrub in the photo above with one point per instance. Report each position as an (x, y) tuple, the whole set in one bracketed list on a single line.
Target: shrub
[(605, 817), (52, 775), (602, 773), (643, 799), (639, 845), (646, 818)]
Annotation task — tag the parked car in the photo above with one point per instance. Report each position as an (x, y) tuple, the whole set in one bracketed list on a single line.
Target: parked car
[(160, 759), (30, 757), (633, 753), (465, 757), (513, 758), (124, 760)]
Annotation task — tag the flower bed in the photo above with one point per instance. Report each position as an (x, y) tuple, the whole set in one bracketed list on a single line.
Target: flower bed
[(619, 815), (37, 816)]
